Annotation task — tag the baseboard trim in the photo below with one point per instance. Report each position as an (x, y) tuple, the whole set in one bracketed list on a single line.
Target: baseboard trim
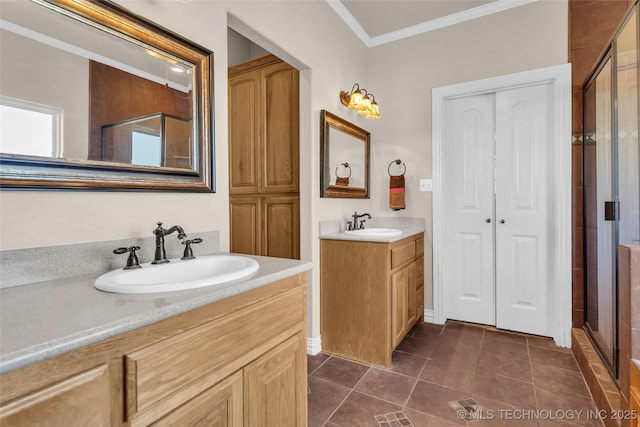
[(314, 345), (428, 316)]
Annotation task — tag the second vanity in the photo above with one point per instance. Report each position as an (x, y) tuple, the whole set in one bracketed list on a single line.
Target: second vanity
[(232, 355), (371, 291)]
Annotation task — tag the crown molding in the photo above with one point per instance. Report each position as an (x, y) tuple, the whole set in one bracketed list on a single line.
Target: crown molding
[(434, 24), (351, 21)]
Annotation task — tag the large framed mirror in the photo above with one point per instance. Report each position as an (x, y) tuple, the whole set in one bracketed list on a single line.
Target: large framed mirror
[(94, 97), (344, 158)]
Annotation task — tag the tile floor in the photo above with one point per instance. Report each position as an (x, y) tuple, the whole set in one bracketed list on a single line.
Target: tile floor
[(457, 374)]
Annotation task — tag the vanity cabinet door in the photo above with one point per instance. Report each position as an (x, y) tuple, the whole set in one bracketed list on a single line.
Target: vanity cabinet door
[(398, 306), (80, 400), (275, 386), (219, 406), (403, 302), (420, 289), (411, 274)]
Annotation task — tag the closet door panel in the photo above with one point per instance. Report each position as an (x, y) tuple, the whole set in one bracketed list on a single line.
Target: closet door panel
[(245, 223), (281, 230), (244, 127), (280, 132), (523, 180), (468, 182)]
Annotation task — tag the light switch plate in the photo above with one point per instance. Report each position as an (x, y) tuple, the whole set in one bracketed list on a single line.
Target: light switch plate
[(426, 185)]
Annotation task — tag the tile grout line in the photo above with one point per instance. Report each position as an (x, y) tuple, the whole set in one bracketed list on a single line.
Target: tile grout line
[(402, 406), (320, 365), (347, 396), (416, 383), (475, 376)]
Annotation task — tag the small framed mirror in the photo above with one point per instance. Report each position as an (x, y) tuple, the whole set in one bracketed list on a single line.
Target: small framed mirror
[(344, 158), (95, 97)]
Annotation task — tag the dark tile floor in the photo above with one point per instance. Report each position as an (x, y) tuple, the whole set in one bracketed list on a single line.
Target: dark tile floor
[(457, 374)]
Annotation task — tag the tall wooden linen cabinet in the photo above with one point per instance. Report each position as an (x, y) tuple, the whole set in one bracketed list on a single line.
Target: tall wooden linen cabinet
[(264, 158)]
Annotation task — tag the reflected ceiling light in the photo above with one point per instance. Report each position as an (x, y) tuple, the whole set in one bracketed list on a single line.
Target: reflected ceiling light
[(160, 56), (361, 101)]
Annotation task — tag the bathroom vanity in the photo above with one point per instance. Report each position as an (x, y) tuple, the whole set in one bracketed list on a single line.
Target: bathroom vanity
[(371, 293), (233, 355)]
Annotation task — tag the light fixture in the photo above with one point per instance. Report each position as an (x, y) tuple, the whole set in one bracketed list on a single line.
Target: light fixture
[(361, 101), (160, 56)]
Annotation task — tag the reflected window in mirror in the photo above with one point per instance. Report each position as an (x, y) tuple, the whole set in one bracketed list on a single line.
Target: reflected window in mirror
[(344, 159), (22, 121), (100, 66)]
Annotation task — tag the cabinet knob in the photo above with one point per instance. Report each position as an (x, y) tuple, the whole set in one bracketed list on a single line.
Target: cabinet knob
[(502, 221), (488, 220)]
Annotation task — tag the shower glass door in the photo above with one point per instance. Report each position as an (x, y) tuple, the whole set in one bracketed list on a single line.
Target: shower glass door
[(611, 182), (600, 224), (628, 156)]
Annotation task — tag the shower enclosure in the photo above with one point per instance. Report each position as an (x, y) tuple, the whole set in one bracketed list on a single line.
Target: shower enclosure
[(611, 181)]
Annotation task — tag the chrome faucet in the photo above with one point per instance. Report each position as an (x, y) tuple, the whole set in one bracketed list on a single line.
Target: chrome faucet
[(355, 225), (161, 255)]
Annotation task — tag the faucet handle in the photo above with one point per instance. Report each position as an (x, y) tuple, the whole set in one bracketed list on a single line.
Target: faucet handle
[(132, 260), (188, 252)]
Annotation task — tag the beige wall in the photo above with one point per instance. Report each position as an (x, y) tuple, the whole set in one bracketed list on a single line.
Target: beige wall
[(519, 39), (310, 36)]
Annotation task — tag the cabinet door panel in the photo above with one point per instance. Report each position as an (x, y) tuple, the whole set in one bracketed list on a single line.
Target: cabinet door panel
[(281, 227), (280, 146), (220, 406), (398, 306), (85, 398), (245, 219), (275, 386), (244, 126), (411, 295)]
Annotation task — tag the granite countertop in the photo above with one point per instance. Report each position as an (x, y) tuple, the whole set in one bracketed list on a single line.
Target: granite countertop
[(46, 319)]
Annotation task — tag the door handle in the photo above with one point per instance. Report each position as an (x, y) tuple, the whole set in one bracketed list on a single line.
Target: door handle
[(610, 211), (488, 220), (502, 221)]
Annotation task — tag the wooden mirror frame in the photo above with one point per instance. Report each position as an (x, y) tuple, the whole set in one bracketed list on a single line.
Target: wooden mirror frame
[(29, 172), (331, 121)]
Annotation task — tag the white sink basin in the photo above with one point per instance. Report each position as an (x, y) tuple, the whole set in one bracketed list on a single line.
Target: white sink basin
[(178, 275), (375, 232)]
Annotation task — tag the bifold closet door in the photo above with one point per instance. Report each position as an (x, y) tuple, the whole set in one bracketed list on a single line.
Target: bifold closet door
[(498, 184), (524, 181), (468, 273)]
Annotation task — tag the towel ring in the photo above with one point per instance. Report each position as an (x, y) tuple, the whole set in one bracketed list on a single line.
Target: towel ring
[(346, 165), (397, 162)]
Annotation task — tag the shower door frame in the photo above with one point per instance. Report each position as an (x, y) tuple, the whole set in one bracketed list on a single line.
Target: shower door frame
[(610, 53), (611, 364)]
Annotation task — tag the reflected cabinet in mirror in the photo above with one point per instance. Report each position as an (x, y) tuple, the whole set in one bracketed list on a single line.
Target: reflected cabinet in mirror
[(95, 97), (344, 158)]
